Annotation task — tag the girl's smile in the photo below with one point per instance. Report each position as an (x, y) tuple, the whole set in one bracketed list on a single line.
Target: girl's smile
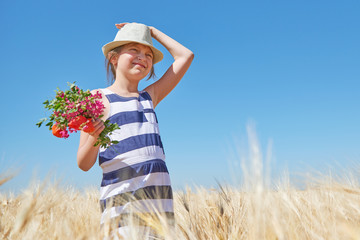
[(139, 64)]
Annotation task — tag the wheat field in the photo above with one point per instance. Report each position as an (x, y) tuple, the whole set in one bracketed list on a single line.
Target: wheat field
[(326, 207)]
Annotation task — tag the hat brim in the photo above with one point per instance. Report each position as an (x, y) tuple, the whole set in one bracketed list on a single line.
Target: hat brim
[(158, 56)]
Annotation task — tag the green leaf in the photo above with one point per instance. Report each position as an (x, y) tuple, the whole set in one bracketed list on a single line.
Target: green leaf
[(41, 122)]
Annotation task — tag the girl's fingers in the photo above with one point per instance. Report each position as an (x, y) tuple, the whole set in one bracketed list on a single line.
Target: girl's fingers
[(120, 25), (97, 122), (99, 127), (98, 130)]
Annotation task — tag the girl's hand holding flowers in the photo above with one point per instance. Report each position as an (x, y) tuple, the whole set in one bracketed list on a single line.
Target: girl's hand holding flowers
[(76, 109), (94, 128)]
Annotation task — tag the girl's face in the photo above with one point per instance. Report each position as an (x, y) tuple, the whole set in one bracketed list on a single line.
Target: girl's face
[(134, 61)]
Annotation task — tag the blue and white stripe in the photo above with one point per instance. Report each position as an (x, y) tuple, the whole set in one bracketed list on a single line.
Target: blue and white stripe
[(134, 170)]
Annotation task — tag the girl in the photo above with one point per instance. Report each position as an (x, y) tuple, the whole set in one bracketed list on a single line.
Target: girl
[(135, 175)]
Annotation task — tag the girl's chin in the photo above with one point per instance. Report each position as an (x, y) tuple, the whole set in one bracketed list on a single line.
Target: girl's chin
[(138, 74)]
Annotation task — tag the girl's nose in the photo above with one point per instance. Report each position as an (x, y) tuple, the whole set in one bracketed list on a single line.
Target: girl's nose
[(141, 56)]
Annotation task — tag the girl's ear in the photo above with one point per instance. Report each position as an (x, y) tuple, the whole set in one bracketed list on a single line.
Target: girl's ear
[(109, 55), (113, 58)]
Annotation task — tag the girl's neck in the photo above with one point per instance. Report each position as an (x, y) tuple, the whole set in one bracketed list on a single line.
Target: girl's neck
[(124, 87)]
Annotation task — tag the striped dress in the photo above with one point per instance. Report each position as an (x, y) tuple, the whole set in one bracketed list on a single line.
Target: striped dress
[(135, 176)]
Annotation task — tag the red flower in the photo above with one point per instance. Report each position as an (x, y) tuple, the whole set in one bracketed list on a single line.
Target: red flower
[(76, 122), (89, 127), (56, 131)]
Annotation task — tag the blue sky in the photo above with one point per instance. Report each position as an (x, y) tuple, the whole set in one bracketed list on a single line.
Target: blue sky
[(291, 68)]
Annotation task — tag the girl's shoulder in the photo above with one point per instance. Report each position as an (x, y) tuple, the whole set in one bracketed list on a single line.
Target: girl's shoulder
[(101, 90)]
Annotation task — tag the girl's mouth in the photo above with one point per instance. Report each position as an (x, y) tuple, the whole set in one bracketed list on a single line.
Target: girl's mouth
[(140, 65)]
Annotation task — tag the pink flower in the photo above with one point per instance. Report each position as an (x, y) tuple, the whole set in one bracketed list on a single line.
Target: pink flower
[(64, 133)]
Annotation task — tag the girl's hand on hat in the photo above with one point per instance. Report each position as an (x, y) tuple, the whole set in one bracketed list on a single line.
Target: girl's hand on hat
[(151, 30), (120, 25)]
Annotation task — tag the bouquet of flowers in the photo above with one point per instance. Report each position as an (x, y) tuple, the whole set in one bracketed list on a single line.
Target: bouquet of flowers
[(74, 110)]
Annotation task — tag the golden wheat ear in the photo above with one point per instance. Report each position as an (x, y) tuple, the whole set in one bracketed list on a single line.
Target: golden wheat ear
[(5, 179)]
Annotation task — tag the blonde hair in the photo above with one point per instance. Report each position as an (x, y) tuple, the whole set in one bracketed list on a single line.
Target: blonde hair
[(110, 69)]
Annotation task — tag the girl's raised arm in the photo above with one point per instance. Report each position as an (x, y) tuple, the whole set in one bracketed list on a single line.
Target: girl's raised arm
[(182, 60)]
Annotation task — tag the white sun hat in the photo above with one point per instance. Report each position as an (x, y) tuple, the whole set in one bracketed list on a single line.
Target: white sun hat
[(133, 32)]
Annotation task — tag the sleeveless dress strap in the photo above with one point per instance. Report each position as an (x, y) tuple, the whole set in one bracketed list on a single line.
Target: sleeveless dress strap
[(106, 91)]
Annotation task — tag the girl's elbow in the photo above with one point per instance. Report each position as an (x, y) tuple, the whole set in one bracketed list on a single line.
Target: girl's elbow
[(83, 167), (190, 55)]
